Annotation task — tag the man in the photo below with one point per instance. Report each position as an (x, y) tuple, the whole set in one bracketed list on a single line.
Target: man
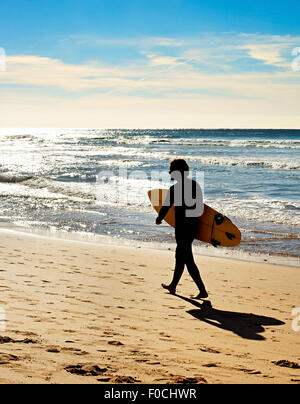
[(187, 197)]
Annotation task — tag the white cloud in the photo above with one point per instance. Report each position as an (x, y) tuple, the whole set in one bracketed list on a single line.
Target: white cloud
[(164, 89), (48, 72), (139, 42), (228, 46), (158, 60), (270, 54), (149, 77)]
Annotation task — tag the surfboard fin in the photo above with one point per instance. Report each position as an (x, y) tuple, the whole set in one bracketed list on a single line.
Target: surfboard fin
[(215, 243), (230, 236)]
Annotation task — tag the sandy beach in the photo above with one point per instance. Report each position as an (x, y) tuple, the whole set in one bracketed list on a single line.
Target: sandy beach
[(86, 313)]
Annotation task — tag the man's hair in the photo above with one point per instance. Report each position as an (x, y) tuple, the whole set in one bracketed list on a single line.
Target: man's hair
[(179, 165)]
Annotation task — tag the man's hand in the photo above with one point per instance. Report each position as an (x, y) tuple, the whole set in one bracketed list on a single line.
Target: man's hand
[(158, 221)]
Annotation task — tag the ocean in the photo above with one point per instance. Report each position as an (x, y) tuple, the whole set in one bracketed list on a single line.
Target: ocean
[(93, 184)]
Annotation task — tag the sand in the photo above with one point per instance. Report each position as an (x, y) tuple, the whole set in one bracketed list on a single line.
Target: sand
[(85, 313)]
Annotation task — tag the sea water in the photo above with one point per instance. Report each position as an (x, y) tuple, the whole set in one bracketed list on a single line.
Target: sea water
[(52, 179)]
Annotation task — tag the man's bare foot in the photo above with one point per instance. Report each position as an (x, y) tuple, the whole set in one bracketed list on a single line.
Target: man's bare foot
[(201, 295), (169, 288)]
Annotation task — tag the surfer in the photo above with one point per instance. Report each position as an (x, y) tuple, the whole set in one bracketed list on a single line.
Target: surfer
[(187, 197)]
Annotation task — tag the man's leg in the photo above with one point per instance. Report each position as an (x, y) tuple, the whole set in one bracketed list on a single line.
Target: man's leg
[(193, 270), (179, 267)]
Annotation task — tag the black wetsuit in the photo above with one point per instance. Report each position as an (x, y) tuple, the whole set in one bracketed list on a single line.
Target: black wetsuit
[(186, 228)]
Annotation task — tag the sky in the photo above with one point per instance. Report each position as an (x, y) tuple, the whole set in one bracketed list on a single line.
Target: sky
[(150, 64)]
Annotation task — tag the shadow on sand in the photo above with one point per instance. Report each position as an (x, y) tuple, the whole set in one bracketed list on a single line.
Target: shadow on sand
[(245, 325)]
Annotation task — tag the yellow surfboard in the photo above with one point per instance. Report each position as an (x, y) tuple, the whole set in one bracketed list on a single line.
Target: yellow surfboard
[(214, 228)]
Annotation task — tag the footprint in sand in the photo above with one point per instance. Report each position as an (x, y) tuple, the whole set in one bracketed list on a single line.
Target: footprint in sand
[(75, 351), (115, 343), (123, 380), (189, 380), (250, 371), (210, 365), (287, 364), (8, 340), (86, 369), (53, 349), (7, 358), (209, 350)]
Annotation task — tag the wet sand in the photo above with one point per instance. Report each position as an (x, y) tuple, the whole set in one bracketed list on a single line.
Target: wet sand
[(86, 313)]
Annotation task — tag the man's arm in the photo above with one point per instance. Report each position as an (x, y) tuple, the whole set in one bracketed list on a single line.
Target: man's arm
[(166, 206)]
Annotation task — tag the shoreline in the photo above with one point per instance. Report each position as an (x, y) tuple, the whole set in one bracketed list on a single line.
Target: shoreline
[(200, 249), (89, 313)]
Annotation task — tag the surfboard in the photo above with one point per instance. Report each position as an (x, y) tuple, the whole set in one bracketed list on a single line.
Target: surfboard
[(214, 228)]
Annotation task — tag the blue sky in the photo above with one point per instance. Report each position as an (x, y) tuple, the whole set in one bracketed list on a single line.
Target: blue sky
[(130, 63), (37, 27)]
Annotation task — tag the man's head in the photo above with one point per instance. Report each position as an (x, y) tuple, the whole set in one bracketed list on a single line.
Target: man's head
[(179, 166)]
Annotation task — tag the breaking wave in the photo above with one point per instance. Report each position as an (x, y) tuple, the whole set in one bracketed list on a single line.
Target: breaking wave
[(14, 179), (241, 162)]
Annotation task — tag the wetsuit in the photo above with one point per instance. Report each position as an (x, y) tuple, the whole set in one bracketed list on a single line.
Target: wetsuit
[(188, 202)]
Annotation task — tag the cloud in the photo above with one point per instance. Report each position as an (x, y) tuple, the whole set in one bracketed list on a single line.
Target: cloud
[(49, 72), (153, 77), (158, 60), (138, 42), (182, 83), (204, 49), (272, 50), (270, 54)]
